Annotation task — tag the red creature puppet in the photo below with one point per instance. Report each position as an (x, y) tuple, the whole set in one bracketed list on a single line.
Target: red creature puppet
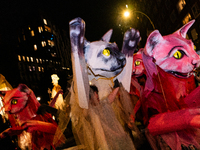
[(170, 100), (138, 80), (35, 131)]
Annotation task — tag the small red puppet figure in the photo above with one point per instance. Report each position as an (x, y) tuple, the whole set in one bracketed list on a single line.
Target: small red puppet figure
[(170, 100), (35, 131), (138, 77)]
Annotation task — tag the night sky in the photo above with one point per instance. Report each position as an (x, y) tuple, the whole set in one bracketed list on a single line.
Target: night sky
[(99, 16)]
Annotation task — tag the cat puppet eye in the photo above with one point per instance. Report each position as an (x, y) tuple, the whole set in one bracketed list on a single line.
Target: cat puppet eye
[(137, 63), (178, 54), (106, 52), (14, 102)]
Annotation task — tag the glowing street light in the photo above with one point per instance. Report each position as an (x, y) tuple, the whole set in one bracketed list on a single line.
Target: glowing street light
[(127, 14)]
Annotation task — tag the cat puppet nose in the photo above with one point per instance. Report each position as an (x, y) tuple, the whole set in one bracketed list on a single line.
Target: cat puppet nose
[(123, 61)]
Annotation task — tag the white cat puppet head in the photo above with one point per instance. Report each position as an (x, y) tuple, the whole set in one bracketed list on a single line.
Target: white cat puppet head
[(173, 53), (104, 58)]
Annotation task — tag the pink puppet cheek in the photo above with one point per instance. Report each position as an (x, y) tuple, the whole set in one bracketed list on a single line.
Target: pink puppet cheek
[(139, 70), (21, 104)]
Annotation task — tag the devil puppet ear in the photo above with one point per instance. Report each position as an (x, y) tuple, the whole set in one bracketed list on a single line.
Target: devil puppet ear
[(154, 38), (183, 30), (23, 88)]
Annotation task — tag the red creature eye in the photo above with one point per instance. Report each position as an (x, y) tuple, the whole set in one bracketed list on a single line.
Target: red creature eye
[(14, 102), (137, 63)]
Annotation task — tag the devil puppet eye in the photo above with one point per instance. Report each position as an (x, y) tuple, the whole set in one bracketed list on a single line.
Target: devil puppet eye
[(178, 54), (137, 63), (106, 52), (14, 102)]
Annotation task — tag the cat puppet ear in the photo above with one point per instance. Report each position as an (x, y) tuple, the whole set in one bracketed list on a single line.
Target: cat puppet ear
[(183, 30), (107, 36), (154, 38)]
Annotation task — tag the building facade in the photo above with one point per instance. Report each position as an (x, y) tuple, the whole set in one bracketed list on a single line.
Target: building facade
[(36, 48), (168, 16)]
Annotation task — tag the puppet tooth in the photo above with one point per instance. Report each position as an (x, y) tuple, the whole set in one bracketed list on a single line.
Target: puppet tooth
[(192, 73)]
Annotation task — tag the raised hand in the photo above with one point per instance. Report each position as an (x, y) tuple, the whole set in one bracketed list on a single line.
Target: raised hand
[(130, 41), (77, 32)]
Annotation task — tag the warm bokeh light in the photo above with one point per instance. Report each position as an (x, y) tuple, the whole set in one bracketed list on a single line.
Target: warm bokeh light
[(38, 98)]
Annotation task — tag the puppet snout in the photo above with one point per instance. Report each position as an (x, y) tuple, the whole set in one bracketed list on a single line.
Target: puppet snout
[(7, 108), (198, 64)]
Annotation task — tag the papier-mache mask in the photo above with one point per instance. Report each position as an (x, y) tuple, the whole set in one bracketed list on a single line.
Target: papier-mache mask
[(138, 66), (104, 58), (17, 99)]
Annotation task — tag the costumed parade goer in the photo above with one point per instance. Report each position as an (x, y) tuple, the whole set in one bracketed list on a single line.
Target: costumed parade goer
[(95, 125), (57, 88), (35, 131), (170, 100)]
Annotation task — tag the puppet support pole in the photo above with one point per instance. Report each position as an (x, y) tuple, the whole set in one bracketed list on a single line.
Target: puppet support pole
[(80, 75)]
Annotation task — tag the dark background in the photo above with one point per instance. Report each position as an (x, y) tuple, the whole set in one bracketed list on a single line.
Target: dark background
[(99, 16)]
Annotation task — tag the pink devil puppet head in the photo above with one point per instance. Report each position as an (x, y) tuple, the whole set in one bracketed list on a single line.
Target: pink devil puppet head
[(17, 99), (138, 66), (170, 89), (173, 53)]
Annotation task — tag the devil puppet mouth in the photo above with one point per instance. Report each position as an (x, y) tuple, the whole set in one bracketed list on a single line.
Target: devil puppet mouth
[(181, 75)]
